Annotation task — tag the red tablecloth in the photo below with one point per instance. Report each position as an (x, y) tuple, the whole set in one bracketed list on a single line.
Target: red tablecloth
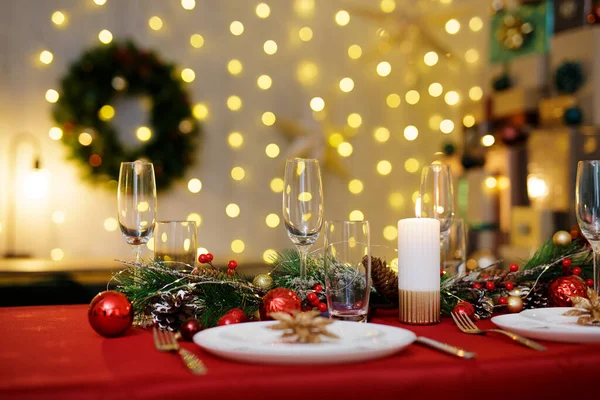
[(51, 352)]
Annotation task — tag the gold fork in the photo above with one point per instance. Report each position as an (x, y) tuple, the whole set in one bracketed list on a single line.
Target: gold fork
[(465, 324), (165, 341)]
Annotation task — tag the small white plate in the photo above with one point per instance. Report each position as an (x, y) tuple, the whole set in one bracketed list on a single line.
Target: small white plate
[(548, 324), (253, 342)]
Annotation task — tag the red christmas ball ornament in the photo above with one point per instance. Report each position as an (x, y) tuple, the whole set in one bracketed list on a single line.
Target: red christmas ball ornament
[(464, 307), (238, 313), (477, 285), (318, 288), (202, 258), (490, 285), (563, 287), (228, 319), (589, 282), (577, 271), (502, 300), (189, 328), (513, 268), (110, 313), (232, 264), (322, 307), (509, 285), (312, 297), (566, 262), (209, 257), (230, 271), (279, 300)]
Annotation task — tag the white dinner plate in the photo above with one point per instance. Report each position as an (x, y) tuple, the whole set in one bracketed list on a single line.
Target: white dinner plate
[(253, 342), (548, 324)]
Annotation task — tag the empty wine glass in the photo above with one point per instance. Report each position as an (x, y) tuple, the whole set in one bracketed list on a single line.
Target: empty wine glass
[(136, 203), (175, 243), (436, 196), (303, 205), (587, 197)]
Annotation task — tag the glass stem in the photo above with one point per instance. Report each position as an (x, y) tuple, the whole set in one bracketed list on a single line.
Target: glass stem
[(596, 269), (303, 253), (137, 252)]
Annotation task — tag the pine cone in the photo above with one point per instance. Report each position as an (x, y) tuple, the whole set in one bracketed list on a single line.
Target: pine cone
[(384, 279), (169, 310), (484, 306), (537, 298)]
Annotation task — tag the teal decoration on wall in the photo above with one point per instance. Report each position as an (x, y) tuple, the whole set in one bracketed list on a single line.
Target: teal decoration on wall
[(520, 31)]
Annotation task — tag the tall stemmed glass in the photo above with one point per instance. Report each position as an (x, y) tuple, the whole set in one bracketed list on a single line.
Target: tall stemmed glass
[(436, 199), (303, 205), (136, 203), (587, 197)]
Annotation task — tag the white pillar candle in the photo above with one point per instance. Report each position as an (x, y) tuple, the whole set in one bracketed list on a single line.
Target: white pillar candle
[(419, 270)]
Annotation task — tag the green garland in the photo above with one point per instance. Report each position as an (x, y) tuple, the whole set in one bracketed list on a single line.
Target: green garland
[(107, 72)]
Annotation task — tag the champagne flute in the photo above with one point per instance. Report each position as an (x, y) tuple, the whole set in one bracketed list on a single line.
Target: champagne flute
[(303, 205), (136, 203), (587, 197)]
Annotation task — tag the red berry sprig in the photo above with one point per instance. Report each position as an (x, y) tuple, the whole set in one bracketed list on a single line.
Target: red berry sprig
[(577, 271), (312, 297), (318, 288), (322, 307), (231, 266), (566, 262), (206, 258), (513, 268), (489, 285), (477, 285), (589, 282), (509, 285), (502, 300)]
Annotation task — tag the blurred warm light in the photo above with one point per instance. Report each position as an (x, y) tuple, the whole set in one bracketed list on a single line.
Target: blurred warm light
[(272, 150), (234, 103), (475, 24), (238, 246), (412, 97), (411, 132), (354, 120), (263, 10), (100, 2), (188, 4), (384, 167), (451, 98), (52, 96), (305, 196), (436, 89), (200, 111), (431, 58), (46, 57), (186, 125), (236, 28), (269, 255), (238, 173), (188, 75), (396, 200), (59, 18), (105, 36), (491, 182), (346, 85), (111, 224), (434, 122), (143, 133), (196, 40), (106, 113), (194, 185), (317, 104), (381, 134), (270, 47), (356, 215), (387, 6), (36, 183), (468, 120), (475, 93), (488, 140), (304, 8), (55, 133), (411, 165), (472, 56), (201, 250), (195, 217), (95, 160), (503, 182), (384, 68), (276, 185), (393, 100), (345, 149), (85, 139), (232, 210), (272, 220), (452, 26), (234, 66), (264, 82), (354, 52), (446, 126), (355, 186), (390, 232), (305, 34), (415, 196), (268, 118), (235, 140), (57, 254), (342, 18), (155, 23), (307, 72)]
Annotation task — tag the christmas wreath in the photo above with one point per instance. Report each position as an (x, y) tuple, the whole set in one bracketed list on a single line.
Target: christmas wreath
[(84, 112)]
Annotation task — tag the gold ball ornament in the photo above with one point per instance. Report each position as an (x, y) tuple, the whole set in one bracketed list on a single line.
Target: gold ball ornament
[(263, 281), (514, 304), (562, 238)]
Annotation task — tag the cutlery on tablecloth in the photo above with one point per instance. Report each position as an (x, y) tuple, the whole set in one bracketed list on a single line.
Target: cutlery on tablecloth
[(166, 341), (465, 324), (446, 348)]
